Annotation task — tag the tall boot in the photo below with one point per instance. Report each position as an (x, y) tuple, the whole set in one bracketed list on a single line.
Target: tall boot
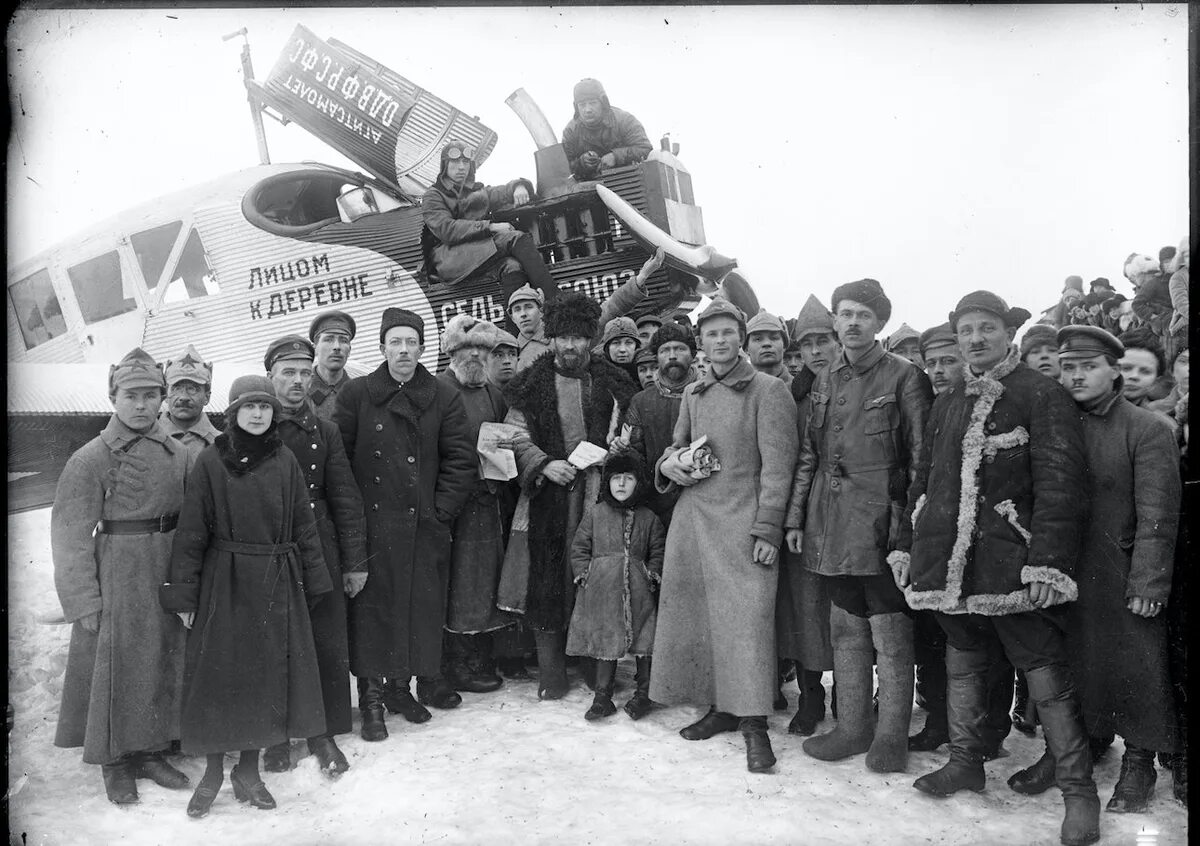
[(783, 669), (852, 666), (1036, 778), (930, 652), (464, 669), (1053, 692), (535, 269), (639, 704), (812, 702), (482, 662), (1135, 785), (997, 724), (966, 705), (759, 755), (602, 704), (1024, 718), (370, 706), (398, 699), (552, 665), (892, 636)]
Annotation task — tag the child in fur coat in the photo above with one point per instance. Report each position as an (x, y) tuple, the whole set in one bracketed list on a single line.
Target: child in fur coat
[(617, 559)]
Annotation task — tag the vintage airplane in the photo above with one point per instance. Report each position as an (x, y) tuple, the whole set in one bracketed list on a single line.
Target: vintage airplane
[(235, 262)]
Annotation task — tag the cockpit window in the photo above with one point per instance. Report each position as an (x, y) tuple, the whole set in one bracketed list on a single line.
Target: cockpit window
[(101, 289), (193, 277), (153, 248), (300, 202), (37, 309)]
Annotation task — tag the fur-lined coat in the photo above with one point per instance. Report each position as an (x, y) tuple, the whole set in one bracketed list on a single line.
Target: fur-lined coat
[(558, 411), (1000, 497)]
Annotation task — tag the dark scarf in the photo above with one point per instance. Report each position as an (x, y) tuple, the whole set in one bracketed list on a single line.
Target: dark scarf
[(242, 452), (533, 393)]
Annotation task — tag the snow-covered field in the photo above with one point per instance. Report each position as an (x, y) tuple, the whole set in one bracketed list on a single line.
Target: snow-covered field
[(504, 768)]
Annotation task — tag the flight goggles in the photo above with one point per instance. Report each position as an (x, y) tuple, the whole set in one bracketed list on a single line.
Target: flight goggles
[(463, 152)]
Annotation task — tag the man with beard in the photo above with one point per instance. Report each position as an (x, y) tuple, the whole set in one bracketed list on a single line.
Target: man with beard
[(1039, 350), (560, 400), (477, 548), (337, 507), (944, 366), (189, 387), (864, 435), (802, 602), (600, 136), (331, 334), (715, 640), (997, 521), (406, 435), (766, 337), (646, 362), (502, 365), (906, 343), (654, 410)]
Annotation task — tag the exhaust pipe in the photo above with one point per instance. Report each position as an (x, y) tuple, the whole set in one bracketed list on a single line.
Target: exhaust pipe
[(553, 170)]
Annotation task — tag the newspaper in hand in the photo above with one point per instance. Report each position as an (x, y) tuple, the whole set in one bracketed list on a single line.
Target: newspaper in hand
[(586, 455), (496, 462)]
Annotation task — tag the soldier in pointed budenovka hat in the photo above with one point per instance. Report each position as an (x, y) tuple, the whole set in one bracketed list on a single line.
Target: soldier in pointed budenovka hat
[(906, 343), (189, 388), (336, 504), (111, 527)]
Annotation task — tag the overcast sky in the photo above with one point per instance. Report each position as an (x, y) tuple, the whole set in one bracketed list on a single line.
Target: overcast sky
[(938, 149)]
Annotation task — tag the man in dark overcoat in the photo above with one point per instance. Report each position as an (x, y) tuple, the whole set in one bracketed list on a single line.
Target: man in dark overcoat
[(997, 513), (406, 435), (337, 507)]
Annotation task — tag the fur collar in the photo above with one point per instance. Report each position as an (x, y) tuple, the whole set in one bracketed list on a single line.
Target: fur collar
[(530, 389), (242, 452), (408, 401)]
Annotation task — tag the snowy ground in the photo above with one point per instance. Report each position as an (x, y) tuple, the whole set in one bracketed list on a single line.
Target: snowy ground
[(504, 768)]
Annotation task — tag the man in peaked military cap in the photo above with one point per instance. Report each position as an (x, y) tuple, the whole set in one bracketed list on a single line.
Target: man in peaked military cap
[(189, 387), (331, 333), (111, 529), (337, 507)]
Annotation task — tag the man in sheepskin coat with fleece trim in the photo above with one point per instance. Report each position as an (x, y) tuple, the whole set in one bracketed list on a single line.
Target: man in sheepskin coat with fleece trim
[(998, 511)]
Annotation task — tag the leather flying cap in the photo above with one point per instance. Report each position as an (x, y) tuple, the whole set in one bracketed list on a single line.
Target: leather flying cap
[(287, 347), (1088, 342), (136, 370), (1013, 318), (393, 317), (332, 321), (190, 367), (939, 336)]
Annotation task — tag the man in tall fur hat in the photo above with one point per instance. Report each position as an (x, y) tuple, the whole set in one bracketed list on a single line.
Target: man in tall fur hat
[(560, 401)]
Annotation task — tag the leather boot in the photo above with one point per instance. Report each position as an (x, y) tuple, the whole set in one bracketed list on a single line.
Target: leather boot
[(602, 704), (512, 667), (1098, 747), (812, 702), (552, 665), (639, 704), (852, 666), (1135, 785), (119, 783), (966, 704), (370, 707), (433, 690), (464, 670), (783, 668), (330, 760), (759, 756), (154, 766), (934, 733), (249, 788), (398, 699), (1034, 779), (278, 758), (997, 723), (482, 663), (1053, 692), (1024, 718), (892, 635), (713, 723)]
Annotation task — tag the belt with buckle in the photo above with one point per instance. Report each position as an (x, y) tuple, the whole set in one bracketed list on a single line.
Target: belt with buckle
[(165, 523)]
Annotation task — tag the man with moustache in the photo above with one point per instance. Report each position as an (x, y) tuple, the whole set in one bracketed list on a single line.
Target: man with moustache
[(406, 435), (802, 602), (189, 388), (337, 507), (944, 366), (766, 338), (331, 333), (477, 549), (864, 434), (997, 521), (560, 400), (654, 410), (715, 641)]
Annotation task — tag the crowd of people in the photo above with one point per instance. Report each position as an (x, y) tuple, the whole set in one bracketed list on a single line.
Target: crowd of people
[(736, 502)]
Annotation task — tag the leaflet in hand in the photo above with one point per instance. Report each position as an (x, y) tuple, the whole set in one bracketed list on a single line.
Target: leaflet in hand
[(496, 462), (586, 455)]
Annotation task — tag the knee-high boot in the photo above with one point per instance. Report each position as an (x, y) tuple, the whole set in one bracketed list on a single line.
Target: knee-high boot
[(966, 707), (852, 667), (639, 704), (892, 635), (552, 665), (1053, 691)]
